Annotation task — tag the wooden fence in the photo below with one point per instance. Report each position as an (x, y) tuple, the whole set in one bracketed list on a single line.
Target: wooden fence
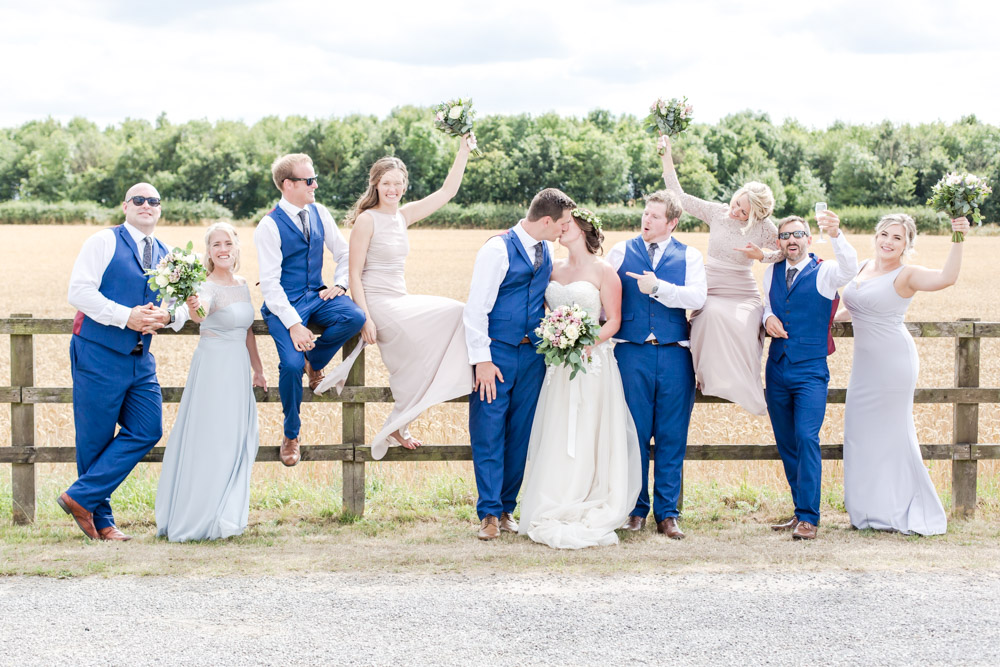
[(964, 451)]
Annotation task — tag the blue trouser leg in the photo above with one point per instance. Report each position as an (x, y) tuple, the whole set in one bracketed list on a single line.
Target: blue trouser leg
[(340, 318), (520, 414), (488, 423), (674, 400), (637, 364), (110, 388), (291, 365)]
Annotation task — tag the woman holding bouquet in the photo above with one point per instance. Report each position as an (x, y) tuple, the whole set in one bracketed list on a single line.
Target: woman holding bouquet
[(421, 338), (583, 473), (204, 490), (886, 486), (727, 339)]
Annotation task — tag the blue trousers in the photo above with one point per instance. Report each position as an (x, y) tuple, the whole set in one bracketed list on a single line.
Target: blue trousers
[(500, 430), (796, 402), (340, 319), (659, 389), (111, 389)]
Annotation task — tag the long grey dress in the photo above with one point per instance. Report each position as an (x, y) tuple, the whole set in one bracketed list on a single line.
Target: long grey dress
[(886, 486), (204, 490)]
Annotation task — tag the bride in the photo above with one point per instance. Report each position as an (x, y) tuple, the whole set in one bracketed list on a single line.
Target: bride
[(583, 471)]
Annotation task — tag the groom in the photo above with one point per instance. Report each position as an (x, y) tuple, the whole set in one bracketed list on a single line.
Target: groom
[(506, 303), (661, 278), (290, 242)]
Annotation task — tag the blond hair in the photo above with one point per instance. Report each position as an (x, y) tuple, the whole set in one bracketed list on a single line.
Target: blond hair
[(906, 222), (370, 198), (761, 202), (233, 236), (668, 198), (282, 167)]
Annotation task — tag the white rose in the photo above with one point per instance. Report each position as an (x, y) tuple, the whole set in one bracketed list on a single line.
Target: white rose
[(456, 112), (162, 280), (572, 332), (170, 289), (190, 259)]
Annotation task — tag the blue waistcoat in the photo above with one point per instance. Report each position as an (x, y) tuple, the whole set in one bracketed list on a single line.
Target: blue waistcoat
[(301, 262), (124, 283), (520, 303), (642, 315), (805, 313)]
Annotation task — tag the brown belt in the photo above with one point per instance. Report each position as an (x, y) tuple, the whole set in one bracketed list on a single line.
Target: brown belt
[(656, 342), (524, 341)]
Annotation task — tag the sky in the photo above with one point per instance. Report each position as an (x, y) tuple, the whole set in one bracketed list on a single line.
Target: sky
[(856, 62)]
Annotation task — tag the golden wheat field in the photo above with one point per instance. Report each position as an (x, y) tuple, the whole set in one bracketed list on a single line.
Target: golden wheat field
[(36, 262)]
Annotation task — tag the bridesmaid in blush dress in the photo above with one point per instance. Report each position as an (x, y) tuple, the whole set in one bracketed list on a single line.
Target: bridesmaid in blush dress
[(886, 486), (421, 338)]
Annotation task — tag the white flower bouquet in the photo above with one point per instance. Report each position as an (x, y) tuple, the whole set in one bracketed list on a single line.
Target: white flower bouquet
[(178, 275), (564, 333), (669, 117), (455, 118), (958, 195)]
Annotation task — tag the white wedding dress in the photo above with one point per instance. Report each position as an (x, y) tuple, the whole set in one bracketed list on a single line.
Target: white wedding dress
[(582, 476)]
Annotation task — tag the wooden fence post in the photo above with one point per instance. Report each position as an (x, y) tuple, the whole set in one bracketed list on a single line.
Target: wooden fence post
[(965, 471), (353, 430), (22, 425)]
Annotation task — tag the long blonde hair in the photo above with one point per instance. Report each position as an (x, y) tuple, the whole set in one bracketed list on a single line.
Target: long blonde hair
[(370, 198), (761, 202), (233, 236)]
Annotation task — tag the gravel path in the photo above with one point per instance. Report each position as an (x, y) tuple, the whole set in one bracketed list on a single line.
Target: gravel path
[(753, 618)]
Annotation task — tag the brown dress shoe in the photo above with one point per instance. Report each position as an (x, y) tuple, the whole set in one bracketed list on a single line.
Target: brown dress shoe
[(635, 524), (111, 533), (788, 525), (670, 528), (289, 454), (315, 377), (804, 531), (507, 523), (490, 528), (83, 518)]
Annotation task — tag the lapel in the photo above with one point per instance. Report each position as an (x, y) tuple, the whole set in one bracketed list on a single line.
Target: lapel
[(287, 221), (669, 250), (639, 246), (130, 242), (809, 268), (524, 253)]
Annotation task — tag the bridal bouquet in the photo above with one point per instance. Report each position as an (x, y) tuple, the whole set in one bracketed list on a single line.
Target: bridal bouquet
[(669, 117), (565, 331), (454, 118), (959, 195), (178, 275)]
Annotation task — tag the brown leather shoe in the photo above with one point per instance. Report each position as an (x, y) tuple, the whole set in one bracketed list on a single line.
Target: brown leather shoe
[(490, 528), (670, 528), (507, 523), (289, 453), (635, 524), (788, 525), (111, 533), (315, 377), (804, 531), (83, 518)]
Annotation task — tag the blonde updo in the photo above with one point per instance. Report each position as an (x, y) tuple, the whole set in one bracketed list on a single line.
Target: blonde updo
[(761, 202), (231, 231), (908, 225)]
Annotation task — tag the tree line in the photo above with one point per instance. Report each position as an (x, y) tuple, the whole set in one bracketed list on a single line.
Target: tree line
[(603, 159)]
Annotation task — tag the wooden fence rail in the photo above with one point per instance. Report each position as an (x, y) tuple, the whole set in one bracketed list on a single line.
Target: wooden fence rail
[(964, 450)]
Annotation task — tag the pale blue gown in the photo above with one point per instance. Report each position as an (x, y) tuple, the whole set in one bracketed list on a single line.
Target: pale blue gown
[(204, 491)]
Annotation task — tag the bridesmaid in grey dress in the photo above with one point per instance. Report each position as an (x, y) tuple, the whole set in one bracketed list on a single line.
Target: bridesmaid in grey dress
[(204, 490), (886, 486)]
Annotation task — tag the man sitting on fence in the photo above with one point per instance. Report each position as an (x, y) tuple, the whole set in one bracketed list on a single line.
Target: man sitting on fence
[(114, 373)]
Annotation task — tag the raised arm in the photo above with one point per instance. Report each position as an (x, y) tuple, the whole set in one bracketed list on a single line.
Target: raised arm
[(422, 208), (692, 205), (915, 279), (361, 237)]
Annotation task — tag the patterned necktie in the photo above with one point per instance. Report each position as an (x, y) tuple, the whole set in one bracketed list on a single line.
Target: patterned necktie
[(652, 253), (147, 253), (303, 216), (789, 277), (538, 255)]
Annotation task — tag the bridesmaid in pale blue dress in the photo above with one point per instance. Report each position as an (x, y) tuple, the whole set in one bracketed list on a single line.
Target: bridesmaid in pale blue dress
[(204, 491)]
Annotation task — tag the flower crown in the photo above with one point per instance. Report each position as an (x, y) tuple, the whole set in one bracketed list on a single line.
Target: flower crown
[(588, 215)]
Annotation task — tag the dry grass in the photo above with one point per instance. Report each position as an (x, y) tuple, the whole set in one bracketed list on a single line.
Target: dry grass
[(37, 262)]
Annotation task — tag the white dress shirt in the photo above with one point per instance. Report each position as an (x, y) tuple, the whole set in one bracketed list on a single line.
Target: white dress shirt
[(830, 276), (487, 274), (268, 242), (689, 296)]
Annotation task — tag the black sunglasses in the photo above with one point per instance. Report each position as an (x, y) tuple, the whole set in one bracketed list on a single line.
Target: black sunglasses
[(309, 181), (139, 200), (798, 233)]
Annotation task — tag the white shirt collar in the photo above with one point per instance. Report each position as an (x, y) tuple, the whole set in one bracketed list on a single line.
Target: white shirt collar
[(291, 209), (659, 244), (798, 265), (136, 235), (527, 240)]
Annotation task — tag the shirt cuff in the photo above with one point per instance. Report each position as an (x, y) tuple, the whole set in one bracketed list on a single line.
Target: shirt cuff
[(290, 318), (120, 317), (479, 355)]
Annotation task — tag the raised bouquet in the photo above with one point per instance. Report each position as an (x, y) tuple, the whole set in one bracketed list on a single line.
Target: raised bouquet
[(669, 117), (565, 331), (178, 275), (455, 118), (959, 195)]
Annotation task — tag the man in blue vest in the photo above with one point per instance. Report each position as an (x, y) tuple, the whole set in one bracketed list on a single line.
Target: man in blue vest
[(290, 241), (661, 279), (800, 300), (114, 373), (506, 303)]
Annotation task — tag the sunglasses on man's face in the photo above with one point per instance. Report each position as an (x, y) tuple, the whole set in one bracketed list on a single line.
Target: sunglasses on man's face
[(799, 234), (140, 200), (309, 181)]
